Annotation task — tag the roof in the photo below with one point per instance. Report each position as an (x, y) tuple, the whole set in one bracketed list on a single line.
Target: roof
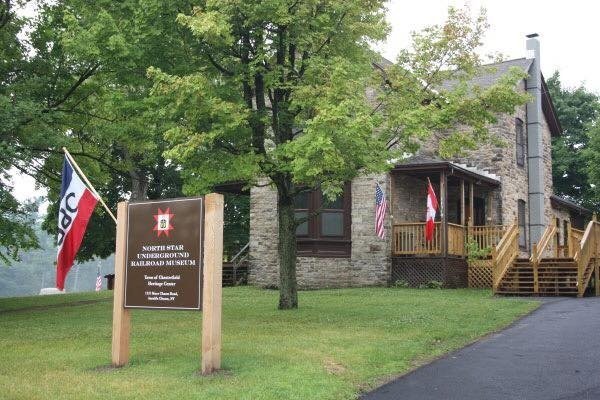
[(490, 73), (425, 163), (558, 201)]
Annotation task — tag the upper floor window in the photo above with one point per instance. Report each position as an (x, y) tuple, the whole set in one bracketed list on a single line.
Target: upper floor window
[(522, 224), (326, 232), (520, 141)]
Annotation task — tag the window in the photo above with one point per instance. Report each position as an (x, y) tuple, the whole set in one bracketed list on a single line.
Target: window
[(520, 142), (326, 233), (565, 232), (522, 224)]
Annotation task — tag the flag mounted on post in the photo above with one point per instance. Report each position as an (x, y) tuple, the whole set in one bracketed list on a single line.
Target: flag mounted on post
[(77, 202), (98, 280), (380, 209), (432, 207)]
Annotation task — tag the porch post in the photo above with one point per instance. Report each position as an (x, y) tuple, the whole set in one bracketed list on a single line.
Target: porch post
[(489, 218), (463, 217), (471, 201), (443, 211)]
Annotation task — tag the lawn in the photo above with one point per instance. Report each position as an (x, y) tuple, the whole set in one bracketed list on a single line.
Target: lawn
[(337, 345)]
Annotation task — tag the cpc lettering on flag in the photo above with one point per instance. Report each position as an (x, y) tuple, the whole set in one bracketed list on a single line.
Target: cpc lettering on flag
[(77, 203)]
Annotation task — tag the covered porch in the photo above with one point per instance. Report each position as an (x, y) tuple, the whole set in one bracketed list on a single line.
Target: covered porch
[(468, 213)]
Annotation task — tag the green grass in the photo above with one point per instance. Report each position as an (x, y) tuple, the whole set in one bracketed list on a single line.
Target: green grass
[(338, 344)]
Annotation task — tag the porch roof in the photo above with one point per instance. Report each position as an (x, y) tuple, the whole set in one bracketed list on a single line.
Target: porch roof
[(558, 201), (423, 164)]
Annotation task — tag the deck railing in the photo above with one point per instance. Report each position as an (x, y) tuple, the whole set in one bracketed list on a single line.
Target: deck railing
[(409, 238), (575, 236), (504, 254), (585, 256), (456, 240), (487, 236)]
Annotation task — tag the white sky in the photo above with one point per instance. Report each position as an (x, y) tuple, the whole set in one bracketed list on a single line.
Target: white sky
[(568, 31)]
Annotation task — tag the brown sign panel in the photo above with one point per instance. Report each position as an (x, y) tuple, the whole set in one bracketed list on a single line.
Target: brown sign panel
[(164, 254)]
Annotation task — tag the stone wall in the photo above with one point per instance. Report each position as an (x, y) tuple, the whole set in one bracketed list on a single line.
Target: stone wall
[(500, 159), (369, 263)]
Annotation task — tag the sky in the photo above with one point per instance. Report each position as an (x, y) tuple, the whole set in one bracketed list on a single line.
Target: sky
[(568, 32)]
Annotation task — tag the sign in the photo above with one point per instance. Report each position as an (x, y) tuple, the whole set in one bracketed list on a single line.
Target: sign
[(164, 254)]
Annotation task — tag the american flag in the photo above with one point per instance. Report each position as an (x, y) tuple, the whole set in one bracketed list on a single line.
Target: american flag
[(380, 209), (98, 282)]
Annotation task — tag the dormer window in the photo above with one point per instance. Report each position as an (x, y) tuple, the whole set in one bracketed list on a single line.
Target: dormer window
[(520, 142)]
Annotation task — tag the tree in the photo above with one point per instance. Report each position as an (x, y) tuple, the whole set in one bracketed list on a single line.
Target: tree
[(286, 94), (577, 109), (108, 121), (16, 232)]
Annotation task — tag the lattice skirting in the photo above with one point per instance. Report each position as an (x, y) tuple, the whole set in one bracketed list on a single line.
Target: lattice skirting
[(480, 274), (417, 271)]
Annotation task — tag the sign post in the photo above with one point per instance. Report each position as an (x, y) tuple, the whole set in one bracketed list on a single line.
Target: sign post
[(213, 276), (169, 256)]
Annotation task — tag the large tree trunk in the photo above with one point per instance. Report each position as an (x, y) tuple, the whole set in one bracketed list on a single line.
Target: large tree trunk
[(139, 186), (288, 294)]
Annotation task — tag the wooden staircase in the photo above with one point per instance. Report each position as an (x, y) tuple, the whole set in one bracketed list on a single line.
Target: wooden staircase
[(545, 274), (555, 277)]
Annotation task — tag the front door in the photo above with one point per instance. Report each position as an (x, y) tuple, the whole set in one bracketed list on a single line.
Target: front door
[(479, 211)]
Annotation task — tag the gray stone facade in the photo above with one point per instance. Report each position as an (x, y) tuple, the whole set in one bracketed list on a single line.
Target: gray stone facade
[(370, 259)]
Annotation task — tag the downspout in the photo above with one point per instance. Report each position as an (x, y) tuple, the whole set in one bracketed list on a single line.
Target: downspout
[(535, 156)]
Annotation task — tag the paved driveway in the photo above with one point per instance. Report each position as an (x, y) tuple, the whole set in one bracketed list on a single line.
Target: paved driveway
[(551, 354)]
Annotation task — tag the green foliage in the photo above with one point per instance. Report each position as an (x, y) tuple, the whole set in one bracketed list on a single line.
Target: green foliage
[(401, 283), (287, 91), (432, 285), (574, 163), (475, 252), (236, 230), (266, 354)]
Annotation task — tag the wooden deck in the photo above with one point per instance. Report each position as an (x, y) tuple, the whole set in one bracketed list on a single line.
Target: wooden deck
[(409, 239)]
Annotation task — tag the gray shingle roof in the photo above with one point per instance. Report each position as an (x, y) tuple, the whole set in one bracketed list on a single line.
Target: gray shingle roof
[(490, 73)]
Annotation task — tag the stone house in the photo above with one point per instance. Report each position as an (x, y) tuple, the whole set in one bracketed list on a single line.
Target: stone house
[(480, 195)]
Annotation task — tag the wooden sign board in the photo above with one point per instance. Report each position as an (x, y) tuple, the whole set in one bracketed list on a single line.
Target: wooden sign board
[(164, 254), (174, 247)]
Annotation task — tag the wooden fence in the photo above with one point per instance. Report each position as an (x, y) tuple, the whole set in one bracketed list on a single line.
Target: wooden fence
[(409, 238)]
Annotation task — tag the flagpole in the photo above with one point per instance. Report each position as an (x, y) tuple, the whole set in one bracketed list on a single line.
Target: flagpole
[(70, 157)]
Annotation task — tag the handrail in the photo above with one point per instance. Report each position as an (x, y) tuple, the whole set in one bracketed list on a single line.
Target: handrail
[(587, 250), (537, 253), (540, 247), (504, 254), (240, 252), (574, 240)]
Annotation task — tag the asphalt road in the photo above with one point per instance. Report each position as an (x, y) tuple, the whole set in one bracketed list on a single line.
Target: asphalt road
[(552, 354)]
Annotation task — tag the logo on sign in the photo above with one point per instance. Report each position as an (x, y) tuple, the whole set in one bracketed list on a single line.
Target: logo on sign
[(163, 222)]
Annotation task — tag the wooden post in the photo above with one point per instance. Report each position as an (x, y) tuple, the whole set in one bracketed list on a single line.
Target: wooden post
[(570, 249), (212, 288), (490, 211), (471, 202), (494, 269), (444, 211), (597, 277), (121, 316), (463, 217), (535, 263)]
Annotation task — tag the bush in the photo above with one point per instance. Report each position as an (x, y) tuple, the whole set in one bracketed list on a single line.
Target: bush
[(432, 285), (401, 283)]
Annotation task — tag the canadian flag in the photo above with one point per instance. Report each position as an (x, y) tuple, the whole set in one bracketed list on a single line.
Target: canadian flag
[(432, 207)]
